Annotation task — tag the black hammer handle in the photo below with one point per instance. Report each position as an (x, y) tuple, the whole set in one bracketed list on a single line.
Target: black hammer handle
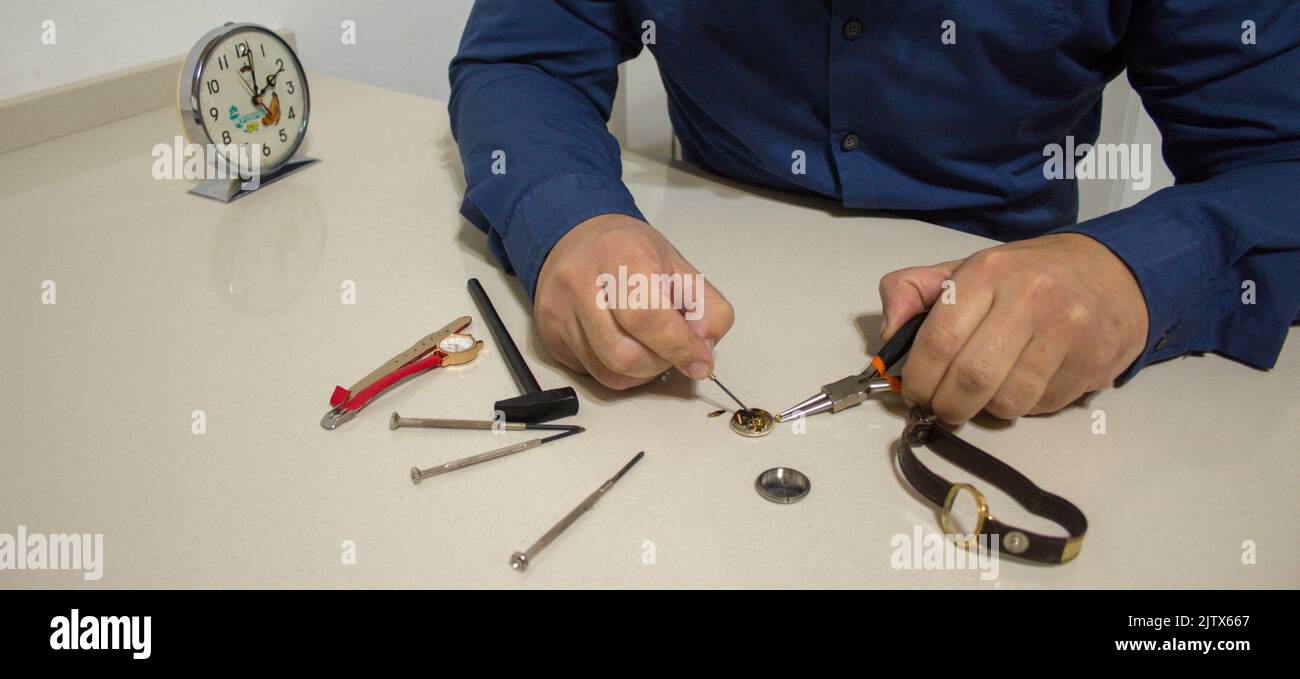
[(514, 359)]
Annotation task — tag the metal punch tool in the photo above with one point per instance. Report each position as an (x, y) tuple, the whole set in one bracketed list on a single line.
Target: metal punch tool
[(854, 389)]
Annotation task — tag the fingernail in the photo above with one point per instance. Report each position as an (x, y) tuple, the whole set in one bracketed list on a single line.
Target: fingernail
[(698, 370)]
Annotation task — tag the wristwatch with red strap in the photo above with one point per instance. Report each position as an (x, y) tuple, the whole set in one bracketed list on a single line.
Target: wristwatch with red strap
[(444, 347)]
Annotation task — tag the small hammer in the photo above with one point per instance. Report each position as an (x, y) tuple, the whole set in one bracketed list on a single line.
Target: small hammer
[(535, 405)]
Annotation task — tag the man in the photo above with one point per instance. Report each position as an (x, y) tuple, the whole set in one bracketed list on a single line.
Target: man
[(941, 110)]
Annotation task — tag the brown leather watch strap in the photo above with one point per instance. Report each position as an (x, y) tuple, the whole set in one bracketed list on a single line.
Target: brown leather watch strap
[(922, 431)]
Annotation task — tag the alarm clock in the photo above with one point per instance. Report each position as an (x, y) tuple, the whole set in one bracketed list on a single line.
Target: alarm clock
[(240, 86)]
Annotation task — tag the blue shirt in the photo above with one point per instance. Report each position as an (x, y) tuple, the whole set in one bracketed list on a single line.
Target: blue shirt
[(895, 108)]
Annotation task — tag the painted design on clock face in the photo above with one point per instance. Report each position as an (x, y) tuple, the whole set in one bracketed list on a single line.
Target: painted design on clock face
[(272, 110), (253, 91), (248, 122)]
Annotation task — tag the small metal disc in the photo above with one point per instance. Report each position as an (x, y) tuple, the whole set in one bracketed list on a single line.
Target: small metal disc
[(752, 422), (782, 485)]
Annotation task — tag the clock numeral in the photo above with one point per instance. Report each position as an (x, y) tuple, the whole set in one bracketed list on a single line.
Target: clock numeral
[(283, 137), (266, 149), (290, 84), (263, 47), (279, 64), (225, 136), (213, 87), (292, 115), (214, 113), (241, 49), (224, 62)]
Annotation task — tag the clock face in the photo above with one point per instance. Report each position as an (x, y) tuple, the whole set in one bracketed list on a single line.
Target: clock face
[(251, 90)]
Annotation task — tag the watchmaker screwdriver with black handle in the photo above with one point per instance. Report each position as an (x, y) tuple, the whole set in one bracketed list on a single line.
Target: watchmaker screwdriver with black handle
[(855, 389)]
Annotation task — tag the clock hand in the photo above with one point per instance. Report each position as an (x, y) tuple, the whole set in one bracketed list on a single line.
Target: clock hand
[(270, 81), (248, 53), (244, 82), (257, 98)]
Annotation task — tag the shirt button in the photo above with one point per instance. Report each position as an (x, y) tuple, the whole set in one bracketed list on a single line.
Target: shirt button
[(849, 142), (852, 29)]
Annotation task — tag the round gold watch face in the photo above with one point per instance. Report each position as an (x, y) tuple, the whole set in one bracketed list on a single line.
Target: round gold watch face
[(455, 343), (752, 422)]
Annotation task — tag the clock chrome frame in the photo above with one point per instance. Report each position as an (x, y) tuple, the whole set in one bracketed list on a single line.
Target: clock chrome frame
[(190, 83)]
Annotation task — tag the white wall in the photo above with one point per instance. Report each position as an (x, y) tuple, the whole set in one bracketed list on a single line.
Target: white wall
[(401, 44)]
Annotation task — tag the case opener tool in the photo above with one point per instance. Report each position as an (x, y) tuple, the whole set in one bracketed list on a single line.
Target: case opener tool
[(444, 347)]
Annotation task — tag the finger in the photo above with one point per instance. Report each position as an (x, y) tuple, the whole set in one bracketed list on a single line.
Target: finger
[(559, 350), (707, 313), (665, 333), (578, 343), (555, 325), (664, 330), (706, 310), (644, 340), (983, 363), (942, 336), (566, 344), (1087, 367), (1026, 383), (713, 318), (616, 350), (1065, 387), (907, 292)]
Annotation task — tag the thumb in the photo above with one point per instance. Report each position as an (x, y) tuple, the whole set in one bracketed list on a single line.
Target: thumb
[(907, 292)]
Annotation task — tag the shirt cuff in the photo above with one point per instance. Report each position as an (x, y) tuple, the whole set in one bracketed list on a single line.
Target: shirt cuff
[(547, 213), (1167, 259)]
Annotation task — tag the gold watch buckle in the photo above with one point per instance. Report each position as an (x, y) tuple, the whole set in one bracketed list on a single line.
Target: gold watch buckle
[(945, 513)]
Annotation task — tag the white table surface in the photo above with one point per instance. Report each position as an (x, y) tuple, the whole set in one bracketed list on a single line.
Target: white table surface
[(168, 303)]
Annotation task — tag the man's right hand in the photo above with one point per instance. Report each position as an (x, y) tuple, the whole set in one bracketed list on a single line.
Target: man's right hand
[(620, 347)]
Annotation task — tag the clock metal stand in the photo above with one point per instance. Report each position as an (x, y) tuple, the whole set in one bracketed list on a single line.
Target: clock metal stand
[(228, 190)]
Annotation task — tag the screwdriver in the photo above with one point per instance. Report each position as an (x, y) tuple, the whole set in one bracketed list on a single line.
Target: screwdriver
[(418, 475), (520, 560)]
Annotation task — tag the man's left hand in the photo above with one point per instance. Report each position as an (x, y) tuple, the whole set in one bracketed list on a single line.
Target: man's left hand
[(1023, 328)]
